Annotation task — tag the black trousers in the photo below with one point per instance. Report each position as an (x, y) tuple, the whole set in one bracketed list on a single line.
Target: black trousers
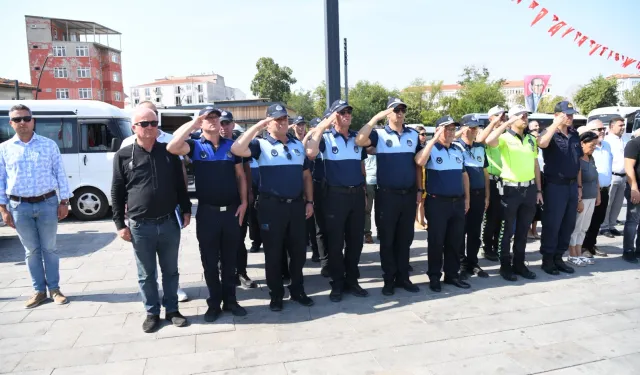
[(312, 233), (473, 228), (254, 226), (492, 220), (344, 214), (321, 229), (519, 207), (395, 214), (218, 235), (599, 213), (282, 226), (558, 217), (241, 267), (446, 219)]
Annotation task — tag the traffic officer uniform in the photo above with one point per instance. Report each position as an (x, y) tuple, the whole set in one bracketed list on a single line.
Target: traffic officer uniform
[(395, 203), (445, 211), (281, 209), (319, 184), (217, 227), (562, 165), (344, 206), (518, 193), (492, 217), (254, 226), (475, 163)]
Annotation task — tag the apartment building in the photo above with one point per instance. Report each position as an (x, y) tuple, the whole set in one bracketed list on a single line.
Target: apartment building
[(71, 59), (626, 82)]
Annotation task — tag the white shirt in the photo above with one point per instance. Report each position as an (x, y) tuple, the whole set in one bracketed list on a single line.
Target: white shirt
[(617, 149)]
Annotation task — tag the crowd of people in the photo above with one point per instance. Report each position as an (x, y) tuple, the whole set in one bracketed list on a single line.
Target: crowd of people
[(317, 184)]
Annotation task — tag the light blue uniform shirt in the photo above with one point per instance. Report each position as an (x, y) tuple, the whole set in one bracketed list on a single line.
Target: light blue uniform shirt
[(604, 161), (370, 166)]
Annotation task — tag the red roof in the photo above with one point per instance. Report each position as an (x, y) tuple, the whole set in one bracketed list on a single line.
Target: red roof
[(178, 81), (624, 76), (5, 82)]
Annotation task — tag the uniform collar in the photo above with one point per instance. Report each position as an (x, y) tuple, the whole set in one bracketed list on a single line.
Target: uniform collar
[(273, 141), (517, 135), (439, 146), (351, 134), (220, 142), (388, 129)]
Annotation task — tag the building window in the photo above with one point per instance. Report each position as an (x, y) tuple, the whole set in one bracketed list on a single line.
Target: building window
[(147, 92), (62, 93), (59, 51), (200, 98), (157, 91), (188, 87), (178, 101), (135, 92), (60, 73), (116, 77), (136, 101), (199, 88), (116, 96), (84, 93), (82, 51), (178, 90), (84, 73), (55, 34), (114, 58), (188, 100)]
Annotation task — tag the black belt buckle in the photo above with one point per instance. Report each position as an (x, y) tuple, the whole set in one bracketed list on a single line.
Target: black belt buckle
[(288, 200)]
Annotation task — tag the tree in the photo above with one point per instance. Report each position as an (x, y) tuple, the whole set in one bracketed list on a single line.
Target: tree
[(421, 102), (477, 95), (320, 99), (272, 81), (548, 103), (519, 99), (632, 97), (600, 92), (367, 99), (303, 103)]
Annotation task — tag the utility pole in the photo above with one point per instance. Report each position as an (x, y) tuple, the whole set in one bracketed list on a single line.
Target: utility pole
[(17, 89), (346, 81), (332, 49)]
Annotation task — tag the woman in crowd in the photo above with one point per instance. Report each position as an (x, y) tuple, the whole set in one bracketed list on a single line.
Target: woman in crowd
[(420, 210)]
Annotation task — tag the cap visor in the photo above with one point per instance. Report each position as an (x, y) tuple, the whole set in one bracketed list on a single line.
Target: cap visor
[(278, 114), (224, 118), (395, 104), (570, 111)]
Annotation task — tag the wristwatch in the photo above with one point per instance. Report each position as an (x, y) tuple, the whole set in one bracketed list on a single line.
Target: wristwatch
[(421, 190), (64, 202), (310, 202)]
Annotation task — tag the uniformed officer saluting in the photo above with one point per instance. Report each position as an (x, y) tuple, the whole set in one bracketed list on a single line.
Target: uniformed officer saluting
[(345, 198), (562, 150), (476, 164), (447, 203), (282, 209), (221, 189), (399, 181), (520, 178)]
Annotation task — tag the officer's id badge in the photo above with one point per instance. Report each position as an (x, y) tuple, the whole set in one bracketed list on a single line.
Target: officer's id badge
[(356, 149), (295, 151), (479, 158), (229, 155), (334, 149), (409, 143), (458, 160), (203, 154), (439, 160), (274, 152), (389, 143)]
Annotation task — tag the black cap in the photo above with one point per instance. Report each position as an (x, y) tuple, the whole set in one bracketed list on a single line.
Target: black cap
[(277, 110), (208, 109), (446, 120), (471, 121), (313, 123), (565, 107), (339, 105), (394, 102), (299, 120), (327, 112), (226, 116)]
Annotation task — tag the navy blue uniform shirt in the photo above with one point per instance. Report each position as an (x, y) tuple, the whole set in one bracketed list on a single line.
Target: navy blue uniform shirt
[(444, 171), (562, 156), (475, 161), (395, 153), (342, 158)]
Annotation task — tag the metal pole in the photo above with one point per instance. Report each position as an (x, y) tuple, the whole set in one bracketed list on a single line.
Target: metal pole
[(17, 90), (332, 49), (346, 81), (40, 76)]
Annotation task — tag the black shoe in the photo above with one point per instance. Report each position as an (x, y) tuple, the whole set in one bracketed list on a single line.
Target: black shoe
[(435, 286), (523, 271), (235, 308), (455, 281), (506, 271), (410, 269), (464, 272), (325, 272), (476, 270), (549, 266), (637, 253), (275, 304), (176, 319), (151, 323), (245, 281), (491, 255), (254, 249), (302, 299), (315, 258), (561, 265), (630, 256), (388, 289), (336, 293), (212, 314), (286, 280), (356, 290), (408, 286), (615, 232), (607, 233)]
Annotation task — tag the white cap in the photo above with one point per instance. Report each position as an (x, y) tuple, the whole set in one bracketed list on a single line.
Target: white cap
[(517, 110), (496, 111)]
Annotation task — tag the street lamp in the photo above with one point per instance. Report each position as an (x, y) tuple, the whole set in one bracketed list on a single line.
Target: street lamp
[(42, 71), (17, 87)]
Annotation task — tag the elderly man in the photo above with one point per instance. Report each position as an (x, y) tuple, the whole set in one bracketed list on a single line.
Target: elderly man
[(619, 178), (31, 171), (150, 181)]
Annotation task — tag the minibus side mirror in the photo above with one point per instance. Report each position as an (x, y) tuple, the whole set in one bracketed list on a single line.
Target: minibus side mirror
[(115, 144)]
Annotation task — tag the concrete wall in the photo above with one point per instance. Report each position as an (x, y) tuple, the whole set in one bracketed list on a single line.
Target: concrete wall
[(7, 93)]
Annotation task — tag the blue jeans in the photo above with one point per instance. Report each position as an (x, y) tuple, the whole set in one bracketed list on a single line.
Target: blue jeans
[(37, 225), (161, 236), (631, 237)]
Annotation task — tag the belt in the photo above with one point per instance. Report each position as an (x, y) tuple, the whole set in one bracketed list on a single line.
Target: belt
[(346, 189), (448, 199), (150, 219), (217, 208), (37, 199), (494, 178), (398, 191), (560, 180), (477, 192), (519, 184), (620, 174), (279, 199)]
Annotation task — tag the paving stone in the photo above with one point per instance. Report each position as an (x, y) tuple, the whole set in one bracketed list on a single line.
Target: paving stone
[(24, 329), (99, 323), (120, 368), (493, 364), (615, 344), (64, 358), (349, 364), (279, 352), (154, 348), (191, 363), (13, 317), (625, 365), (37, 343), (63, 312), (554, 356), (275, 369), (10, 361), (235, 339)]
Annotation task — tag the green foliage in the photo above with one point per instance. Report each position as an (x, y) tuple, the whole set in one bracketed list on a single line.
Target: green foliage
[(272, 81), (320, 99), (548, 103), (519, 99), (367, 99), (478, 93), (303, 103), (632, 97), (600, 92)]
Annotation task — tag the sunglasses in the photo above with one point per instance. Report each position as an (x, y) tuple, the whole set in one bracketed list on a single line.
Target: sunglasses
[(400, 109), (223, 123), (346, 111), (21, 119), (423, 134), (600, 129), (144, 124), (286, 149)]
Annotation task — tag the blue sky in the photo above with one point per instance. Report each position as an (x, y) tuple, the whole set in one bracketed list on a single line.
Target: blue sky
[(391, 42)]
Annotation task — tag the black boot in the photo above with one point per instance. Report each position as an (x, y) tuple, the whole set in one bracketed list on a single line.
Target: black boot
[(506, 271), (561, 265), (522, 270), (548, 265)]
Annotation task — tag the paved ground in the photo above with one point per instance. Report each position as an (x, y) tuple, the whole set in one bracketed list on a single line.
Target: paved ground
[(587, 323)]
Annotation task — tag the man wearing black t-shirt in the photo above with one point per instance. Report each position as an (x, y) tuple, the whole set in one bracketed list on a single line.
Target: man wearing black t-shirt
[(632, 169)]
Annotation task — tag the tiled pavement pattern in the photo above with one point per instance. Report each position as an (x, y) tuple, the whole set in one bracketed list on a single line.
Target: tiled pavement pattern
[(586, 323)]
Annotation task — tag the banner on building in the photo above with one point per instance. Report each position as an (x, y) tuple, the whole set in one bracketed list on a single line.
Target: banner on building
[(535, 86)]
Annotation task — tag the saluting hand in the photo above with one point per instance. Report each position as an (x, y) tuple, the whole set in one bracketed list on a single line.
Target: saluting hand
[(197, 123), (381, 115), (263, 123), (436, 135), (240, 213)]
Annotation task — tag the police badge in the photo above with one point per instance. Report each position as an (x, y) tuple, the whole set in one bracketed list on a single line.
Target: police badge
[(334, 149), (295, 151), (356, 149), (274, 152), (409, 143), (203, 154), (439, 160), (389, 143)]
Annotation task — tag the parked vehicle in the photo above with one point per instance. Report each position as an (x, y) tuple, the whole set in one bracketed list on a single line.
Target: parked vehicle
[(88, 133), (629, 114)]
